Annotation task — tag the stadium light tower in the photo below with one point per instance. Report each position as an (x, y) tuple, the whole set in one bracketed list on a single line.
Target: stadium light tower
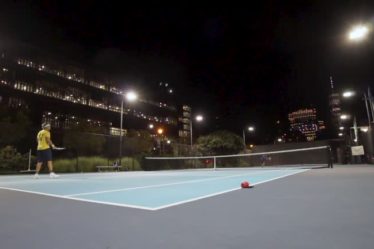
[(198, 118), (130, 96)]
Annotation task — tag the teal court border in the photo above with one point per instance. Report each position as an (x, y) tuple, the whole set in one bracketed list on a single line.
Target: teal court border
[(144, 190)]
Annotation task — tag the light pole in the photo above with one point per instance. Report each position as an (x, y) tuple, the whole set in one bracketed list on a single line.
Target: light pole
[(370, 117), (160, 131), (368, 103), (250, 129), (131, 97), (358, 34), (198, 118)]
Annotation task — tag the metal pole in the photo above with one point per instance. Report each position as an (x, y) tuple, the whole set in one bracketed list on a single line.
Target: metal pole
[(367, 109), (29, 160), (370, 132), (355, 130), (371, 104), (120, 134), (191, 133), (244, 138)]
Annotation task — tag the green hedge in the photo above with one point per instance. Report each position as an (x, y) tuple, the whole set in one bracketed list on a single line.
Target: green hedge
[(88, 164), (131, 163), (11, 161)]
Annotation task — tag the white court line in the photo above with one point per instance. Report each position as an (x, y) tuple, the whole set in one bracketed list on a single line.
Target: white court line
[(163, 185), (142, 207), (96, 176), (223, 192), (78, 199)]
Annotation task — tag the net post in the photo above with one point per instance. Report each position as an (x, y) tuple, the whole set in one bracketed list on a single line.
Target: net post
[(214, 163), (330, 160), (29, 168)]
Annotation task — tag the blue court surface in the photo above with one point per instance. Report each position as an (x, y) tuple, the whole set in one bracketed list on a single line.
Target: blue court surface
[(144, 190)]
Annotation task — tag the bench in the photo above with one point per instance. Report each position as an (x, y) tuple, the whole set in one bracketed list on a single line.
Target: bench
[(114, 167)]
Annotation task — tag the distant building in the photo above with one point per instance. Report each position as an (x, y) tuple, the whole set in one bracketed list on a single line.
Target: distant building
[(335, 106), (65, 94), (185, 122), (304, 124)]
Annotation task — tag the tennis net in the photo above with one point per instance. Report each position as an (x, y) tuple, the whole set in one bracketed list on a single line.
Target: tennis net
[(311, 157)]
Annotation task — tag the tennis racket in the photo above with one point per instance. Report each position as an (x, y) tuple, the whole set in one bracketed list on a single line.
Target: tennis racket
[(59, 148)]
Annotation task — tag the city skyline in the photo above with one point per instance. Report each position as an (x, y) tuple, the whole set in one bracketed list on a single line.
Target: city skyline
[(237, 66)]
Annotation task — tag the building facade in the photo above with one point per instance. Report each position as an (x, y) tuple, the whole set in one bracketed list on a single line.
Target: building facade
[(335, 107), (304, 122), (66, 95)]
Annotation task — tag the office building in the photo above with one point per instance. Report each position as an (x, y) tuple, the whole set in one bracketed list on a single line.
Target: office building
[(304, 122), (66, 94)]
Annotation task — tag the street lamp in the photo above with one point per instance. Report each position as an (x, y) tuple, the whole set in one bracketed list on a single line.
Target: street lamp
[(358, 33), (348, 94), (344, 117), (364, 129), (198, 118), (160, 139), (131, 97), (250, 129)]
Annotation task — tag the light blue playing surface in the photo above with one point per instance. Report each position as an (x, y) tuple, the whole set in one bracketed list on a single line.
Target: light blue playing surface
[(144, 190)]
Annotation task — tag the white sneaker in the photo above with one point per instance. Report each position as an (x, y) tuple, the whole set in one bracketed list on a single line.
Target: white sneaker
[(53, 175), (36, 176)]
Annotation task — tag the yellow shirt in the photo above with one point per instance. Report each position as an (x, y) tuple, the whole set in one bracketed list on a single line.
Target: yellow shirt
[(42, 139)]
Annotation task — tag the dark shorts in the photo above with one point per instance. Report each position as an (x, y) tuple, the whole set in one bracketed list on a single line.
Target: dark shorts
[(44, 155)]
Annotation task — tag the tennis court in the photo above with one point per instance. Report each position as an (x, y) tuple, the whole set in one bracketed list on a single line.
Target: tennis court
[(318, 208), (144, 190)]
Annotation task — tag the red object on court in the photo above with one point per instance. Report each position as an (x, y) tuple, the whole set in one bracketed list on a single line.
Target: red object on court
[(246, 185)]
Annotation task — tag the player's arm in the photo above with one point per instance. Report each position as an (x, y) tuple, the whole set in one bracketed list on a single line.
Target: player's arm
[(49, 141)]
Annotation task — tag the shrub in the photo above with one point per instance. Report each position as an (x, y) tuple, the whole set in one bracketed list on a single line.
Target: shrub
[(130, 163), (11, 160), (64, 165), (88, 164)]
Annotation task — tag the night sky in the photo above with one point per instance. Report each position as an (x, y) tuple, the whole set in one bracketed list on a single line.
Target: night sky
[(237, 65)]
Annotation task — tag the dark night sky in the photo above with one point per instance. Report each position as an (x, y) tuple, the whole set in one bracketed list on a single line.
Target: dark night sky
[(238, 65)]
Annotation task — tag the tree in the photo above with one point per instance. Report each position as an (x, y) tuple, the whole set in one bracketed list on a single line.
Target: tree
[(14, 126), (220, 143), (137, 142), (11, 160), (85, 140)]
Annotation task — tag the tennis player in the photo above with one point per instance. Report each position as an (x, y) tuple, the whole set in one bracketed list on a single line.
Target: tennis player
[(44, 152)]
